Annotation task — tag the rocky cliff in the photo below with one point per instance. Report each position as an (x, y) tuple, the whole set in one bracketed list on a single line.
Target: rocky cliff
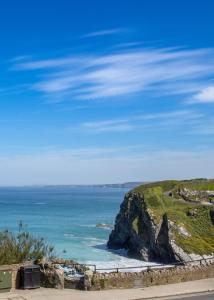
[(166, 221)]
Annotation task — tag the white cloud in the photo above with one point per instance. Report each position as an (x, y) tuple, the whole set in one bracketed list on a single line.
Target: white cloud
[(103, 32), (206, 95), (176, 71), (47, 64), (108, 126), (156, 121)]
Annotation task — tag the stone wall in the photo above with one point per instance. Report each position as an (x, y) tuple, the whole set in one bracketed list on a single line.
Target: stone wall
[(53, 278), (100, 281)]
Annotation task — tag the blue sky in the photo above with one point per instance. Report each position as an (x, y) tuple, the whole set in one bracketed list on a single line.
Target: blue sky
[(106, 91)]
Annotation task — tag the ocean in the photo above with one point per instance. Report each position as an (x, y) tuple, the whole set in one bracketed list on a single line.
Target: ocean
[(66, 217)]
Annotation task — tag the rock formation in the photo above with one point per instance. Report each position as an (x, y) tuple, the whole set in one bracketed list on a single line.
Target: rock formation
[(166, 221)]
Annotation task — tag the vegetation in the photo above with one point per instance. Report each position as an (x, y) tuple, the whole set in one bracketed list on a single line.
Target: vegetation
[(135, 225), (166, 185), (23, 246), (200, 184), (194, 218)]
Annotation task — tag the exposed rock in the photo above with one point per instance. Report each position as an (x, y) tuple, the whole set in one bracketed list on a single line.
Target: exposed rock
[(212, 215), (52, 278), (192, 212), (195, 195), (155, 226)]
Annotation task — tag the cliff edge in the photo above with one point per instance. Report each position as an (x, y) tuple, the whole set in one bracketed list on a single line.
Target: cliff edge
[(166, 221)]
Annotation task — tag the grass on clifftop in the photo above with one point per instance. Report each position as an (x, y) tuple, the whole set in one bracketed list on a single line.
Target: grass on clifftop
[(200, 184), (192, 226)]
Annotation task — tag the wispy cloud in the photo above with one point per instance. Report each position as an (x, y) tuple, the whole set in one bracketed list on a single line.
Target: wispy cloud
[(108, 126), (205, 128), (155, 121), (153, 70), (48, 63), (103, 32)]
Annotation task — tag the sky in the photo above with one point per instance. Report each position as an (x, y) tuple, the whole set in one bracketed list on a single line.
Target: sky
[(106, 91)]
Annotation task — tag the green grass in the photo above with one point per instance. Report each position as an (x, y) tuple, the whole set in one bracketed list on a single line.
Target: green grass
[(173, 185), (199, 226), (166, 185), (135, 225)]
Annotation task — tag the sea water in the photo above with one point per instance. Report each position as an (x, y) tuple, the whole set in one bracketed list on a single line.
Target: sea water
[(67, 217)]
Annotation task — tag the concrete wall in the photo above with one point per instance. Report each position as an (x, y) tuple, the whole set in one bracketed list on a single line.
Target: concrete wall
[(101, 281)]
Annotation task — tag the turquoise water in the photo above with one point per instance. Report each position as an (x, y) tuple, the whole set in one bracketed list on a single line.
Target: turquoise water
[(67, 218)]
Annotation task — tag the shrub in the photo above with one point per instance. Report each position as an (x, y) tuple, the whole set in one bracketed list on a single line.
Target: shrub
[(23, 246)]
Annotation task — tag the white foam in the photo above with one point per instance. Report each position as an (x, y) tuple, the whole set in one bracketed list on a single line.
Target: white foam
[(119, 259), (88, 225), (93, 242), (90, 241), (127, 265), (69, 235), (113, 259)]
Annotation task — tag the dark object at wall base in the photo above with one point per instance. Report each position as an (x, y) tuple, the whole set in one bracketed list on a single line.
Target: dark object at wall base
[(30, 277)]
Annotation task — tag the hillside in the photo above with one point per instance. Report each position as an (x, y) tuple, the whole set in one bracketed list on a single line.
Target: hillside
[(166, 221)]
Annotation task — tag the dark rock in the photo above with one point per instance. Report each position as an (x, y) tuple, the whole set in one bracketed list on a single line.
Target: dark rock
[(136, 231), (143, 226)]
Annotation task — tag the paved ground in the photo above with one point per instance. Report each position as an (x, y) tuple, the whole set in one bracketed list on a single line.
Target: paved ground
[(204, 296), (157, 292)]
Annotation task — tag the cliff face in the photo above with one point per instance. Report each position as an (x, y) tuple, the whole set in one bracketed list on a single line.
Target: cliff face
[(166, 222)]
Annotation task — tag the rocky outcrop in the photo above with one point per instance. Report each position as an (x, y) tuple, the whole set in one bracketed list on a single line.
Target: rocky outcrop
[(136, 231), (195, 196), (155, 226)]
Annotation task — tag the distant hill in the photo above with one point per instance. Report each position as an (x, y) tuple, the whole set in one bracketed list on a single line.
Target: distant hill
[(129, 185)]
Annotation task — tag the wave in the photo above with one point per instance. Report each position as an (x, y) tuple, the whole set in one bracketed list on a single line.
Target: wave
[(39, 203), (96, 241), (127, 265), (68, 235), (112, 259), (119, 259), (88, 225)]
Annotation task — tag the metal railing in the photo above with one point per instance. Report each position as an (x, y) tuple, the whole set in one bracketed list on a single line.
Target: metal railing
[(146, 268)]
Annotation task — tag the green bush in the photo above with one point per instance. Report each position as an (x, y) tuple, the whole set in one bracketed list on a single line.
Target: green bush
[(23, 246)]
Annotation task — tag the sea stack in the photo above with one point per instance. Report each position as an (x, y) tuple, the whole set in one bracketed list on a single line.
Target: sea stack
[(166, 221)]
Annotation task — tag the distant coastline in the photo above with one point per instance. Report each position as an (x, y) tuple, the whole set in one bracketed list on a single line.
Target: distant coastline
[(128, 185), (107, 185)]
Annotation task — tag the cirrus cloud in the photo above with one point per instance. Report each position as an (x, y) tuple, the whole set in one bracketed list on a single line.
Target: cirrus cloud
[(97, 76)]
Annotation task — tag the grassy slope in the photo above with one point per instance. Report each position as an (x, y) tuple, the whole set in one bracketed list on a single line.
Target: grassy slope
[(170, 185), (198, 226)]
